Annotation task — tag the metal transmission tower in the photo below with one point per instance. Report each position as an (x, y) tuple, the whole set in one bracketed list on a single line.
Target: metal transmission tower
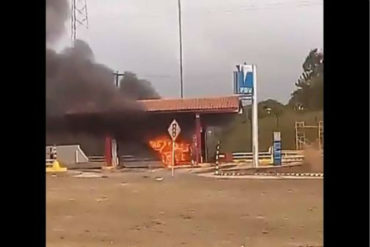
[(79, 17)]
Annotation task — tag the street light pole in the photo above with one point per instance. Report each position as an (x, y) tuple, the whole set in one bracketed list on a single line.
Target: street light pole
[(276, 113), (180, 38)]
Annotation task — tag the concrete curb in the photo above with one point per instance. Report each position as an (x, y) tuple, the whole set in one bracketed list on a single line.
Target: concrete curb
[(272, 174), (267, 175)]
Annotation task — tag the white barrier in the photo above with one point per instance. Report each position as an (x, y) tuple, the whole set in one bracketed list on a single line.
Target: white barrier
[(67, 154)]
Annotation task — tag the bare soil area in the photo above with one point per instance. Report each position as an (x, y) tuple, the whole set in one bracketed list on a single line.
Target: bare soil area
[(146, 208)]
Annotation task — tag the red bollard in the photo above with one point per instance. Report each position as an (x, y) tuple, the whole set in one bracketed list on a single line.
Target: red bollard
[(108, 151)]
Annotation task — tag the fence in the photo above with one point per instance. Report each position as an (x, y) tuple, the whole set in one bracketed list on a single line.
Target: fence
[(287, 156), (130, 161), (122, 158), (96, 159)]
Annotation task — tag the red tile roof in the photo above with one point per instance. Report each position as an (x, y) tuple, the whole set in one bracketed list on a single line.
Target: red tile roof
[(209, 104)]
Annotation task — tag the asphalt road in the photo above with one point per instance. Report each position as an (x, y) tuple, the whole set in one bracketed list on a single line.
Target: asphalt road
[(146, 208)]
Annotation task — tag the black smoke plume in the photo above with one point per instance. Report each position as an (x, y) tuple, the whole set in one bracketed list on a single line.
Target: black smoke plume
[(83, 104), (56, 15), (134, 88), (75, 82)]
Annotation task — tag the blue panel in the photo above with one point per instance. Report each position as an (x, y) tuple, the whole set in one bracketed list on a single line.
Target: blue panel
[(240, 79), (241, 85), (249, 80), (277, 153)]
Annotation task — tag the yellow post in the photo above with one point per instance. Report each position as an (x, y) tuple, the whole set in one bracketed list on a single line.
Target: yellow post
[(55, 167)]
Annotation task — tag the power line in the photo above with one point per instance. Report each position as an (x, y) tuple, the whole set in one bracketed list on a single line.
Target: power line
[(251, 7), (275, 5)]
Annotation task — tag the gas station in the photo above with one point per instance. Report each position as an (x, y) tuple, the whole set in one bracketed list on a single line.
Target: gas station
[(194, 116)]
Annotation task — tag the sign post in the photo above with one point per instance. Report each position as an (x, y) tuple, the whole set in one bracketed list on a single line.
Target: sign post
[(255, 118), (174, 131), (173, 157), (245, 85), (277, 149)]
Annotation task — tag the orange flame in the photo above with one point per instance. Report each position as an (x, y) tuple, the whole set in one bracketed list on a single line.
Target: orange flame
[(163, 145)]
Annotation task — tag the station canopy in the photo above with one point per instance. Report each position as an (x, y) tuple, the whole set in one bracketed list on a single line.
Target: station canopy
[(223, 104)]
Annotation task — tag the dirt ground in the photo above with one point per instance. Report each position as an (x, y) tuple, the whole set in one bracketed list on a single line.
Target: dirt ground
[(134, 209)]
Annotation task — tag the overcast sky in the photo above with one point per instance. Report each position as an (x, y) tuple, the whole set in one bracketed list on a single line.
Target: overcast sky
[(142, 36)]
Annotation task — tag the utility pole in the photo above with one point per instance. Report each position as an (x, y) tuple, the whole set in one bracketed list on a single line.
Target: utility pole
[(180, 38), (113, 144), (117, 75), (277, 115)]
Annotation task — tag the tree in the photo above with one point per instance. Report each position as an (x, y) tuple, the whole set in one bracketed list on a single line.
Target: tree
[(276, 108), (270, 106), (309, 94)]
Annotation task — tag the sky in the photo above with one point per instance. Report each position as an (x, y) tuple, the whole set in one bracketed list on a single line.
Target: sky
[(142, 36)]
